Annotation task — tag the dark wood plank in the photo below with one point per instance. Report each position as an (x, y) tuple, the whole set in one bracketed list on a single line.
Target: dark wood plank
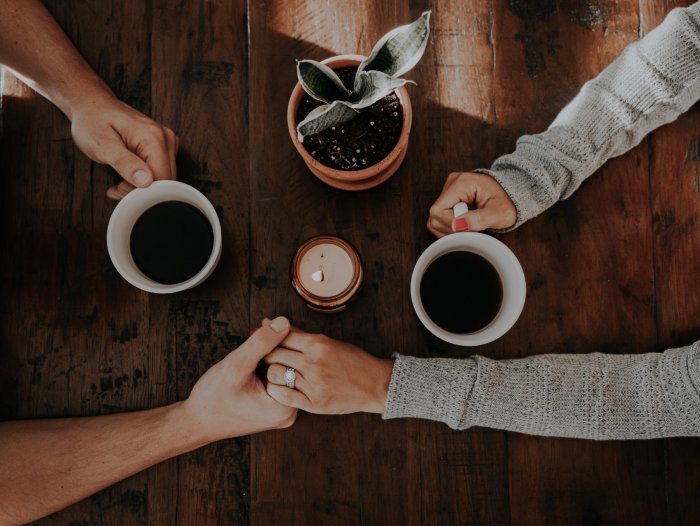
[(675, 179), (588, 265), (83, 329), (463, 475), (132, 337), (200, 85), (675, 184)]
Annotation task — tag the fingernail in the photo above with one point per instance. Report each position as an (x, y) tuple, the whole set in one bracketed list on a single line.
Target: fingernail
[(279, 324), (461, 225), (252, 331), (141, 178)]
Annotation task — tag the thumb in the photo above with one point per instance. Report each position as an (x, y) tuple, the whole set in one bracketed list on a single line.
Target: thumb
[(262, 342), (131, 167), (475, 221)]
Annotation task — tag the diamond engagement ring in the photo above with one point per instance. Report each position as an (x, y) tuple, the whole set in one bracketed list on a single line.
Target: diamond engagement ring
[(290, 375)]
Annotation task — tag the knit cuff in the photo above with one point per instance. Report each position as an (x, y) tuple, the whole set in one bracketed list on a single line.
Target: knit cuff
[(433, 389), (679, 371), (521, 192)]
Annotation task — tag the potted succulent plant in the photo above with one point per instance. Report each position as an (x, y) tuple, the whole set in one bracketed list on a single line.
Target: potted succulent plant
[(349, 116)]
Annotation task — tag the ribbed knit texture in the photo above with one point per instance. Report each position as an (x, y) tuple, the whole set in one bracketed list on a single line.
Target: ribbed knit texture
[(596, 396)]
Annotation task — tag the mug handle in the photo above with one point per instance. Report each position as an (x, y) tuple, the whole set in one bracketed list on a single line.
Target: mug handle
[(460, 208)]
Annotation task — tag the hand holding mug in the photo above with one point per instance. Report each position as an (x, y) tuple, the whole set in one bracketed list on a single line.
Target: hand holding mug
[(331, 377), (490, 206), (111, 132)]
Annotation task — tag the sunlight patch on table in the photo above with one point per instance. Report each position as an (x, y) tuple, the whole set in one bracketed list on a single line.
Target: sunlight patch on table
[(11, 86)]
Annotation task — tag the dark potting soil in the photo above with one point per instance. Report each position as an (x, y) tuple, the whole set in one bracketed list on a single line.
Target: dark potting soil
[(361, 142)]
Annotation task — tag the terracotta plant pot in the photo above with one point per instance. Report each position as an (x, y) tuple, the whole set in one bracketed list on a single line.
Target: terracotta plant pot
[(352, 179)]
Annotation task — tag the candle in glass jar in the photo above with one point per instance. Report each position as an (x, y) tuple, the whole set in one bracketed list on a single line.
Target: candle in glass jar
[(326, 272)]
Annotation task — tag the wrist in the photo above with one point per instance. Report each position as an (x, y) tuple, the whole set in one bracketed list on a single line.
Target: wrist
[(93, 93), (380, 386), (185, 428)]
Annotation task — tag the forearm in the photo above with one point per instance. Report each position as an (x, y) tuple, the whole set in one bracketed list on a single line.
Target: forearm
[(650, 84), (49, 464), (594, 396), (36, 48)]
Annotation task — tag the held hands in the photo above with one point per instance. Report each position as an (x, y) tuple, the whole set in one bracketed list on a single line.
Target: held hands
[(111, 132), (332, 377), (490, 206), (229, 400)]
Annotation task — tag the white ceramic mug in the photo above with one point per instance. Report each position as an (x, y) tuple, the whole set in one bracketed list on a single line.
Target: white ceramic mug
[(509, 271), (131, 207)]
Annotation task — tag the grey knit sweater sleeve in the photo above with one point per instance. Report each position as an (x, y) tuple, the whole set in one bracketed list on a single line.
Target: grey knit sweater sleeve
[(588, 396), (596, 396), (652, 82)]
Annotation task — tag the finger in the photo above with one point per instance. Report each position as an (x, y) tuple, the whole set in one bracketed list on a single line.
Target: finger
[(154, 150), (289, 397), (446, 200), (276, 372), (303, 342), (298, 340), (286, 358), (470, 221), (440, 224), (131, 167), (264, 340), (118, 191), (491, 216), (456, 190), (113, 193)]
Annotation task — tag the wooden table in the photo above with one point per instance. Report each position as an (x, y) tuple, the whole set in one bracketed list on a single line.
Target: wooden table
[(614, 269)]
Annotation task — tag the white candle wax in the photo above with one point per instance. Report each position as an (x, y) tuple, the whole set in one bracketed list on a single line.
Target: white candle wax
[(326, 270)]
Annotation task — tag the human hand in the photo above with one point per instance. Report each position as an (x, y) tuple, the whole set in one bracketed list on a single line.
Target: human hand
[(229, 400), (111, 132), (492, 206), (332, 377)]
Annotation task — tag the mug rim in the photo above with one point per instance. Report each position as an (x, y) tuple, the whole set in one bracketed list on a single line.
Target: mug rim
[(141, 281), (503, 260)]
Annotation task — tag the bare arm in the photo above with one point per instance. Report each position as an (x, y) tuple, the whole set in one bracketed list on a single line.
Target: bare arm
[(108, 131), (46, 465), (36, 48)]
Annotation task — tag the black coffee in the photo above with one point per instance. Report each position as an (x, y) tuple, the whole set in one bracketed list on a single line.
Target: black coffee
[(461, 292), (171, 242)]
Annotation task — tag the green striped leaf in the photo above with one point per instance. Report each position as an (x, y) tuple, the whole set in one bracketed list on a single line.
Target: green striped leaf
[(320, 81), (400, 49), (374, 86), (325, 117)]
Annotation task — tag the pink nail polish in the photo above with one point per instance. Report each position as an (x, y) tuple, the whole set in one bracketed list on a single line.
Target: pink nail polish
[(461, 225)]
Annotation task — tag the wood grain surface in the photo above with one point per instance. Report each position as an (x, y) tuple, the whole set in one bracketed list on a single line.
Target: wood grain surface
[(613, 269)]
